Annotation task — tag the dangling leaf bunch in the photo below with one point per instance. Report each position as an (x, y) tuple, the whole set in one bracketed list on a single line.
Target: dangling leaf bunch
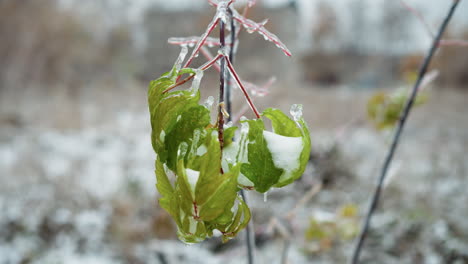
[(384, 108), (201, 165)]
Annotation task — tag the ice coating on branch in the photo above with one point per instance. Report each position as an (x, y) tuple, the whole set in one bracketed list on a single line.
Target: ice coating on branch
[(224, 51), (285, 151), (180, 59), (203, 37), (196, 80), (222, 12), (191, 41), (209, 102), (296, 112), (192, 178), (252, 26)]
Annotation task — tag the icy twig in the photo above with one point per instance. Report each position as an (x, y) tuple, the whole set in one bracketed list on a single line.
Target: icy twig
[(260, 91), (191, 41), (391, 152), (202, 40), (255, 90), (252, 26), (204, 67)]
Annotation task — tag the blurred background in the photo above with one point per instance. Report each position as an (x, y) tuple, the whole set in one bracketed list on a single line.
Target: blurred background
[(76, 163)]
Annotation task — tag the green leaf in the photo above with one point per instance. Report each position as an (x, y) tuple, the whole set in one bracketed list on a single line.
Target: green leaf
[(260, 168), (281, 123), (165, 109), (275, 159), (384, 109), (223, 197), (210, 168), (168, 200), (229, 135), (291, 149), (229, 224), (194, 118)]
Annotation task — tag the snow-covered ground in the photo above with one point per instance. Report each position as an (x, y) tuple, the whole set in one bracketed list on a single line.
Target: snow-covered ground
[(87, 195)]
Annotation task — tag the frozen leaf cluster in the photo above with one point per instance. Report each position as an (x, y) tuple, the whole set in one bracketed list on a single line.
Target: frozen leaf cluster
[(201, 166), (197, 181)]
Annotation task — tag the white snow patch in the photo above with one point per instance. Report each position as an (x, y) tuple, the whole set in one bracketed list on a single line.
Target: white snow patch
[(285, 152), (192, 177), (201, 150)]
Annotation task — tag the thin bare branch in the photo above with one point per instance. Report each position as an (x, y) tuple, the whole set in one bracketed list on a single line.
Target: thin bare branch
[(396, 139)]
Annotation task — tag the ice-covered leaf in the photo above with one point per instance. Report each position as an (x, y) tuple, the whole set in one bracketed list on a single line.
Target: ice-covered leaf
[(259, 167), (167, 200), (223, 197), (193, 118), (229, 135), (233, 220), (274, 158), (290, 145)]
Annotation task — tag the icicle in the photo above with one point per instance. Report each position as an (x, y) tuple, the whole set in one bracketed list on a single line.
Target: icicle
[(196, 138), (196, 80), (296, 112), (244, 127), (265, 197), (180, 59), (228, 125), (209, 102), (183, 147)]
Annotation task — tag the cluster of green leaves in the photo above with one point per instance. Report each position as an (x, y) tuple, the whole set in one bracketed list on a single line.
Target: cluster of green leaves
[(198, 181), (384, 109), (322, 234)]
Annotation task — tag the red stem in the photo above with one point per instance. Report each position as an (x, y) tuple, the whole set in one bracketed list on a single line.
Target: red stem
[(241, 86), (200, 44), (203, 68)]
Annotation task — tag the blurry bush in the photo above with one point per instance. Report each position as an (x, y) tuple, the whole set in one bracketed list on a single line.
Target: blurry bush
[(43, 46), (325, 229), (452, 62)]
